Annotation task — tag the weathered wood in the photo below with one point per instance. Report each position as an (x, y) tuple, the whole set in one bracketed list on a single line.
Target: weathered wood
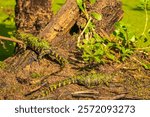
[(111, 12), (20, 60), (32, 15), (62, 22)]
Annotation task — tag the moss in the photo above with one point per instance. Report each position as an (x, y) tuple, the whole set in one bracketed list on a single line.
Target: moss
[(2, 65), (35, 75)]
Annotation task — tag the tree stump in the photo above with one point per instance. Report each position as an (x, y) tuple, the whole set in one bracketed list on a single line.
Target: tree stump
[(36, 17)]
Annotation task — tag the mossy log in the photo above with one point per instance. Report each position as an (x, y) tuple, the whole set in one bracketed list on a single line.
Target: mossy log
[(36, 17)]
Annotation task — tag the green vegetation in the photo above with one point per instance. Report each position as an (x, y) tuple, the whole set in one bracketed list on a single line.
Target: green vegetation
[(56, 5), (134, 18), (128, 34), (7, 25), (100, 50)]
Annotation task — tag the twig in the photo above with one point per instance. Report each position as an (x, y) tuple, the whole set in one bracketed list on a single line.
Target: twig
[(146, 15), (87, 93), (137, 61), (35, 89), (117, 97), (79, 38), (10, 39), (47, 98)]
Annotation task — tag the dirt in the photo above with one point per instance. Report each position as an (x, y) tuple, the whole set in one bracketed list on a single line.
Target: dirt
[(131, 80)]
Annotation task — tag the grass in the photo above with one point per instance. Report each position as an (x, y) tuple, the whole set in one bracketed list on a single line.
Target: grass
[(6, 8), (133, 18), (56, 5)]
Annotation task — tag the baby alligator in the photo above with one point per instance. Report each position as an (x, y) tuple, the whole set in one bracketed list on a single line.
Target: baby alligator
[(40, 46), (88, 81)]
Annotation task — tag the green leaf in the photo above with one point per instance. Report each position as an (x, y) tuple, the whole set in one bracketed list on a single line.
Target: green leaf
[(146, 66), (87, 30), (96, 16), (92, 41), (91, 25), (85, 41), (92, 1), (133, 39), (56, 5), (80, 4), (110, 56), (97, 59)]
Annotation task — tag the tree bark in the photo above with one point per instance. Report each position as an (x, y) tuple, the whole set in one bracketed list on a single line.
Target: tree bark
[(31, 16), (62, 22)]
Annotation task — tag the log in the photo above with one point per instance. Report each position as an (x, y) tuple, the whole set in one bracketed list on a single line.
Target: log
[(29, 13), (62, 22), (36, 17)]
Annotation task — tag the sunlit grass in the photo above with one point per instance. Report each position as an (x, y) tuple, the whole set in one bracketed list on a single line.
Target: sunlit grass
[(134, 18), (6, 8), (56, 5)]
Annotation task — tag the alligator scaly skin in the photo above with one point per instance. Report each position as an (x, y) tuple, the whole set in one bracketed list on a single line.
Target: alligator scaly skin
[(40, 49), (88, 81)]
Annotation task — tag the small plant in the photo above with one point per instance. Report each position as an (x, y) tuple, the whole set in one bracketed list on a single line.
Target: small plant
[(96, 49), (143, 42), (124, 41), (145, 7), (89, 45)]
